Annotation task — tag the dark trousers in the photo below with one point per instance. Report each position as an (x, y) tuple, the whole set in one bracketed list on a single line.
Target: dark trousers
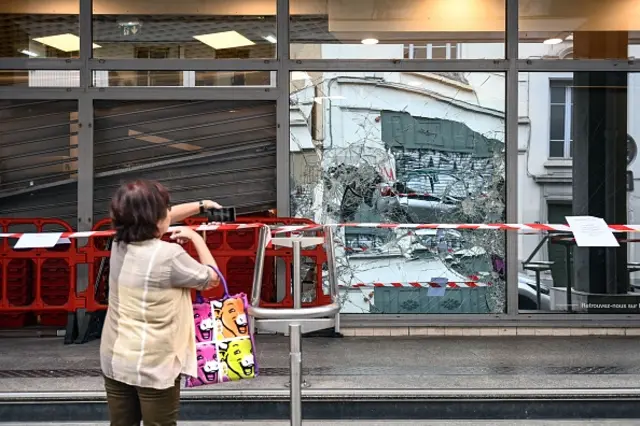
[(128, 405)]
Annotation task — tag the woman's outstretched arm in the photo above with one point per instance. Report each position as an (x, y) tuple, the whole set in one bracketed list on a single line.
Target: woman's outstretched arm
[(183, 211)]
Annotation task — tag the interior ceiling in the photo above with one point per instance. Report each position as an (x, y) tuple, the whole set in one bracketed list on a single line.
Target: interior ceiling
[(181, 29), (327, 21)]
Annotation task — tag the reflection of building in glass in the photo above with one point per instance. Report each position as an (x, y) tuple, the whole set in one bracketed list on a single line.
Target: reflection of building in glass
[(405, 148)]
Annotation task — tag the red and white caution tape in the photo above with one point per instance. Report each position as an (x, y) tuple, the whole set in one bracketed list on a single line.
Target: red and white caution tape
[(111, 233), (467, 284), (300, 228)]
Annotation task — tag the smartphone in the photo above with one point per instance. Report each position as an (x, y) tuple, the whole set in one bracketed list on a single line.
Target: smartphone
[(225, 215)]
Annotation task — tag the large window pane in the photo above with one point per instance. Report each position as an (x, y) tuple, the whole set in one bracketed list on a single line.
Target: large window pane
[(183, 78), (187, 29), (396, 29), (577, 169), (39, 29), (404, 148), (579, 29)]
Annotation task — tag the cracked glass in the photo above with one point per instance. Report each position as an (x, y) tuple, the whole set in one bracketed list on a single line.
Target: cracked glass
[(404, 148)]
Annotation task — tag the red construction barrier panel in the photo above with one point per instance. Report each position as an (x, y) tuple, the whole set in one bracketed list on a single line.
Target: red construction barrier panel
[(42, 281), (97, 252), (235, 253), (38, 282), (313, 262)]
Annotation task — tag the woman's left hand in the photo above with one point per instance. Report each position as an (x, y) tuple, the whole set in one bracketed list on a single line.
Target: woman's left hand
[(208, 204)]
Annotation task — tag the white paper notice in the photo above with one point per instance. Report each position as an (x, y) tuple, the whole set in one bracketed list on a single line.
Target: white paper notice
[(591, 231), (438, 291), (44, 240)]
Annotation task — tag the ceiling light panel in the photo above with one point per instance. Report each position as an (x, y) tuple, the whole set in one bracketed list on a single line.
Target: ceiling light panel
[(224, 40), (64, 42)]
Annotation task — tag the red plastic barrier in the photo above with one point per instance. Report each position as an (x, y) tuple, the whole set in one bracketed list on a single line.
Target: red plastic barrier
[(313, 261), (235, 253), (97, 253), (239, 271), (42, 281), (38, 281)]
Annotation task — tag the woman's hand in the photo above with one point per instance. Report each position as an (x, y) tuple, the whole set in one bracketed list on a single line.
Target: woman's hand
[(184, 234), (208, 204)]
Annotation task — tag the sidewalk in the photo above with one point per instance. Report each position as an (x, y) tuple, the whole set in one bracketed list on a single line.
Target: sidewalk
[(374, 363), (592, 422)]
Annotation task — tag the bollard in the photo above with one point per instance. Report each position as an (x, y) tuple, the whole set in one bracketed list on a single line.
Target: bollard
[(295, 390)]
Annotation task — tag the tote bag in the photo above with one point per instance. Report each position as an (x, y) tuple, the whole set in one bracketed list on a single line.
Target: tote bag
[(225, 347)]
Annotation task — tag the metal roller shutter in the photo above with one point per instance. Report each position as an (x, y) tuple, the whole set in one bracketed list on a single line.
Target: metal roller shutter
[(38, 159), (202, 149), (210, 149)]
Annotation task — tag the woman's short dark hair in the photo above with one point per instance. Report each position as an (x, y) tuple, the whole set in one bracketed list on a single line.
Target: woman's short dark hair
[(136, 208)]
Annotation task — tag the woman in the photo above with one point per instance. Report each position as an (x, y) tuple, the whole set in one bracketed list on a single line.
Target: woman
[(148, 340)]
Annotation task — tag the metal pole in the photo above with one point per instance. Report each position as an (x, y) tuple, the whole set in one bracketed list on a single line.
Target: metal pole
[(295, 358), (256, 290), (538, 297), (569, 276), (297, 281), (331, 262), (334, 291), (259, 266)]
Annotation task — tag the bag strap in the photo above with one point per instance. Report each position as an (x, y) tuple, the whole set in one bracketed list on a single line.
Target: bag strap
[(222, 280), (200, 299)]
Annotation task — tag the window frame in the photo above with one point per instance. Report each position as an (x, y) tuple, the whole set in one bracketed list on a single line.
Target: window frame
[(567, 136), (449, 47)]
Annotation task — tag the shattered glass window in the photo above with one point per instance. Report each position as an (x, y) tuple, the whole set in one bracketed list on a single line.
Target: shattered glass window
[(404, 148)]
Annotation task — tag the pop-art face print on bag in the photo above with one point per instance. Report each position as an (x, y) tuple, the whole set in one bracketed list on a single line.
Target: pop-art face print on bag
[(237, 359), (209, 371), (204, 322), (231, 318)]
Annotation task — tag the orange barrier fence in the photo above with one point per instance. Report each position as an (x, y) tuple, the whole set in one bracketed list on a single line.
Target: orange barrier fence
[(235, 251), (39, 285)]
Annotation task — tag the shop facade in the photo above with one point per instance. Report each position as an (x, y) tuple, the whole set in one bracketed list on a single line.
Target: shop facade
[(419, 112)]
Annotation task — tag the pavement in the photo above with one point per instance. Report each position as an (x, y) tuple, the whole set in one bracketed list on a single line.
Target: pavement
[(591, 422), (447, 362)]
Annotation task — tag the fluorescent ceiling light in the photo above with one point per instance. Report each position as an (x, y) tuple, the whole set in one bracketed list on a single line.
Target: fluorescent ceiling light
[(65, 42), (224, 40), (553, 41), (370, 41), (28, 53), (270, 38)]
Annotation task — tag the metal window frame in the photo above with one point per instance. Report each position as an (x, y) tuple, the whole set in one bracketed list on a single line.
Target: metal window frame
[(511, 160), (510, 65), (568, 110)]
